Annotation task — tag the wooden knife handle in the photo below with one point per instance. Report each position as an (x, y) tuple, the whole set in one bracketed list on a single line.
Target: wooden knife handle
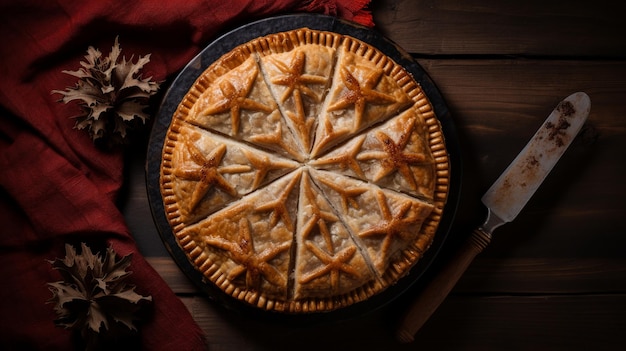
[(437, 290)]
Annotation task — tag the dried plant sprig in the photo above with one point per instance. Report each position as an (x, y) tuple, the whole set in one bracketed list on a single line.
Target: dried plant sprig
[(93, 296), (111, 92)]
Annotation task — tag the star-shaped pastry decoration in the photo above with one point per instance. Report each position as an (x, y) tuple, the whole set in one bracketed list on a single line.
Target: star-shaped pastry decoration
[(262, 164), (393, 158), (234, 99), (345, 160), (347, 195), (297, 83), (296, 80), (278, 207), (359, 94), (254, 264), (207, 174), (334, 264), (391, 226)]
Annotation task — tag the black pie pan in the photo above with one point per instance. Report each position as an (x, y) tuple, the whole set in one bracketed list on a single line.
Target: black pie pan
[(185, 80)]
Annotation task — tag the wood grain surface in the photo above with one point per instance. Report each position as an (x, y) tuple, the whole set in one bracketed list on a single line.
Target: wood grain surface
[(555, 278)]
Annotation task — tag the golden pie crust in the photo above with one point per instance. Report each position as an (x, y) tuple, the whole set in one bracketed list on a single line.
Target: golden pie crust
[(304, 171)]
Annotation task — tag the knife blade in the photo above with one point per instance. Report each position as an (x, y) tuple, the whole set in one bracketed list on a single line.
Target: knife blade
[(519, 181), (504, 201)]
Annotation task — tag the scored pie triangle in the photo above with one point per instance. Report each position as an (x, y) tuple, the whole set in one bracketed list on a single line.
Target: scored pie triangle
[(382, 221), (214, 171), (299, 81), (327, 257), (393, 155), (248, 244)]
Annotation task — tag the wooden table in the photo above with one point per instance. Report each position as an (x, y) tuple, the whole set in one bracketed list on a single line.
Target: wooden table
[(553, 279)]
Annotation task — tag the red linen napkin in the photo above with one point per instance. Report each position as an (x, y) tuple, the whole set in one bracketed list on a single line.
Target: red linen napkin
[(55, 185)]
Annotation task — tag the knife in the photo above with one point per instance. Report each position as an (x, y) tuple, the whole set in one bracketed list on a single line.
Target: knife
[(504, 201)]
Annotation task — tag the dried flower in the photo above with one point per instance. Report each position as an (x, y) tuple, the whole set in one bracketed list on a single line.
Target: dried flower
[(93, 297), (113, 95)]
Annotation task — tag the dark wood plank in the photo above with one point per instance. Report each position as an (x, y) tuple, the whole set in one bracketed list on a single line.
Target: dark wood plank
[(586, 322), (502, 276), (535, 27), (594, 322)]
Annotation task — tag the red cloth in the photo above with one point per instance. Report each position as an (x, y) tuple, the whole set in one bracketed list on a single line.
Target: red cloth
[(55, 186)]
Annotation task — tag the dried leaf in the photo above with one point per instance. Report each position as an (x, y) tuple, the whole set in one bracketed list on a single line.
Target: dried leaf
[(93, 294), (111, 92)]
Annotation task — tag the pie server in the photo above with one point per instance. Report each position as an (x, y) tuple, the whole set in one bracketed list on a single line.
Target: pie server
[(504, 200)]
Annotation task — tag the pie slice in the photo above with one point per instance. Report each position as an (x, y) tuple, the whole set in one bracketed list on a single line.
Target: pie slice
[(328, 262), (383, 222), (214, 171), (245, 248), (394, 155), (364, 92), (298, 80)]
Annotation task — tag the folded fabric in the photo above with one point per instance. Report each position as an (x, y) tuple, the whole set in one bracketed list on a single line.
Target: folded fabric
[(56, 187)]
